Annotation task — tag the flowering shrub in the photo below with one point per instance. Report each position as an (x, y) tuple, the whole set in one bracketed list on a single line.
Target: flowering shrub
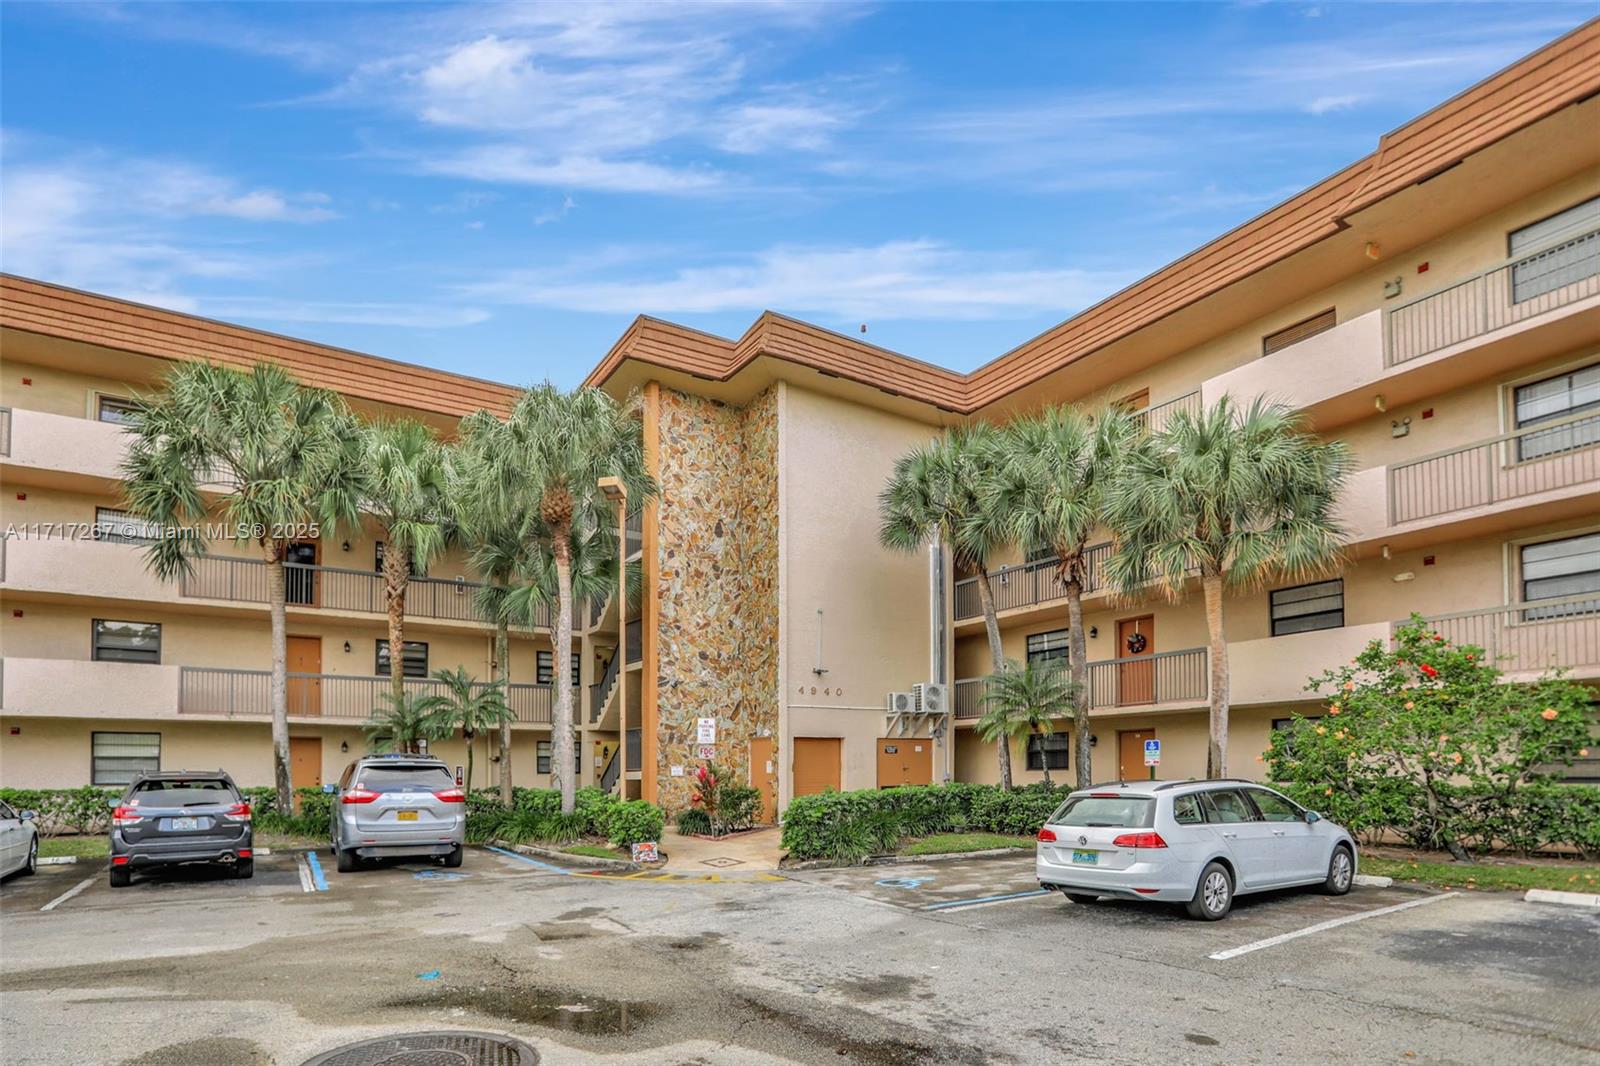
[(1422, 738), (728, 807)]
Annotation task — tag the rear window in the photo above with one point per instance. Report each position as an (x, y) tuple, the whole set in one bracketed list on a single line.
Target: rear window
[(187, 792), (1132, 812), (392, 777)]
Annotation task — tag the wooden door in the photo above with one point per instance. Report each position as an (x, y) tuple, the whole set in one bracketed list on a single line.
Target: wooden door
[(764, 776), (1136, 681), (305, 762), (305, 693), (905, 761), (1130, 754), (816, 764)]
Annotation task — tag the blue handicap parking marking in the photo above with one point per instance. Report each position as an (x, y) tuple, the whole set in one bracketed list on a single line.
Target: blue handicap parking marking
[(438, 875), (903, 882)]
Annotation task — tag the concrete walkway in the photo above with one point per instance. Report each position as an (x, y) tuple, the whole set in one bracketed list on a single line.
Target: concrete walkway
[(748, 851)]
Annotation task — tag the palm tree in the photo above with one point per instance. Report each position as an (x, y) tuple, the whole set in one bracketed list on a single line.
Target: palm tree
[(1059, 465), (561, 445), (1234, 495), (272, 458), (468, 705), (1025, 698), (405, 493), (404, 721), (944, 492)]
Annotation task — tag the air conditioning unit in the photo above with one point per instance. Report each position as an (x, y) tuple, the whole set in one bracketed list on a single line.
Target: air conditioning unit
[(902, 703), (932, 698)]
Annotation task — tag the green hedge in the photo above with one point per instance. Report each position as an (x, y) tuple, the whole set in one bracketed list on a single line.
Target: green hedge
[(850, 827), (535, 815), (311, 820), (84, 810)]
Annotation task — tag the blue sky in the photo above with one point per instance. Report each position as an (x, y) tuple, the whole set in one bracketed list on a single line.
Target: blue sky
[(498, 190)]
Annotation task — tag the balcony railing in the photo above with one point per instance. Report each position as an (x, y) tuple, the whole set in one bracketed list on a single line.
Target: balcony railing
[(1155, 418), (247, 694), (1501, 296), (1532, 636), (5, 431), (635, 533), (969, 697), (600, 691), (1139, 680), (1552, 455), (1028, 584), (634, 634)]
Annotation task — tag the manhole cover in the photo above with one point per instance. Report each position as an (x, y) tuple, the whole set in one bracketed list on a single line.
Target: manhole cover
[(456, 1048)]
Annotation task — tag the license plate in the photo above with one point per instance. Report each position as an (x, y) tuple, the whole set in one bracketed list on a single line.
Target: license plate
[(406, 816), (184, 825), (1087, 858)]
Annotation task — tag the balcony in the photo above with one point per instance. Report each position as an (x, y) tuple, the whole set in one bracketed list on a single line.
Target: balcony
[(1276, 669), (1155, 419), (5, 431), (223, 693), (1526, 639), (74, 450), (84, 689), (1029, 584), (1163, 681)]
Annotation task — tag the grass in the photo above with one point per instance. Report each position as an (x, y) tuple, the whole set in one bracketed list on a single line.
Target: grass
[(593, 851), (1565, 877), (95, 847), (951, 843)]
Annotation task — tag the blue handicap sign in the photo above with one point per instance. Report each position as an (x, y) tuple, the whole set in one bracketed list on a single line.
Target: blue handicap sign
[(1152, 752), (438, 875), (902, 882)]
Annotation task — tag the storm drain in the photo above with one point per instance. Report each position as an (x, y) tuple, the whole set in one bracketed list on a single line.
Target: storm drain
[(454, 1048)]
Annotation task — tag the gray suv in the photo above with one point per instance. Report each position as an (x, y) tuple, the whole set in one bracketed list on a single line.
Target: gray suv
[(180, 816), (397, 806)]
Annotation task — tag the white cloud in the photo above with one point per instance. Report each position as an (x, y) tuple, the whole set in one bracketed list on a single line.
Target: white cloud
[(413, 316), (544, 218), (897, 279), (514, 164), (1324, 104)]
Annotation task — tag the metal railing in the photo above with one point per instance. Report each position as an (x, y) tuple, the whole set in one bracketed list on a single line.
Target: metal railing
[(635, 750), (1532, 636), (613, 770), (1519, 289), (634, 635), (1165, 677), (969, 697), (1028, 584), (247, 694), (634, 533), (600, 691), (1155, 418), (5, 431), (1551, 455)]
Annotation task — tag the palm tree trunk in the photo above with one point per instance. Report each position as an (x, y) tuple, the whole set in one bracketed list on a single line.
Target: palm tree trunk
[(1217, 750), (1044, 760), (278, 685), (396, 573), (562, 751), (502, 672), (1078, 654), (467, 733), (997, 661)]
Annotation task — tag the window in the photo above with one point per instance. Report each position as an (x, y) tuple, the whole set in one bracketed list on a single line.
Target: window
[(1048, 647), (542, 758), (1043, 553), (1227, 805), (120, 526), (377, 562), (1288, 725), (1307, 607), (1559, 250), (1558, 569), (404, 777), (1558, 399), (1273, 807), (544, 667), (117, 758), (1186, 810), (1047, 752), (1136, 402), (126, 642), (1120, 812), (413, 658), (115, 409), (1302, 330)]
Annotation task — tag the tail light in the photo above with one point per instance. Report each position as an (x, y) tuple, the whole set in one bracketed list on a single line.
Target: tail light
[(1139, 840), (245, 853), (1047, 835), (358, 795), (450, 795), (239, 812), (126, 816)]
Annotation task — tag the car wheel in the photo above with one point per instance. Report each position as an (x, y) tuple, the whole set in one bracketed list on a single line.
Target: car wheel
[(244, 868), (454, 858), (1341, 872), (120, 876), (33, 858), (345, 861), (1213, 896), (1080, 897)]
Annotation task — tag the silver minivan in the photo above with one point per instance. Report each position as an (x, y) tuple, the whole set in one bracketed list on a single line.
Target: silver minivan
[(397, 806)]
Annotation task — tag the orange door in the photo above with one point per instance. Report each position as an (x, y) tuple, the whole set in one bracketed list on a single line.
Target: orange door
[(305, 693), (305, 762), (1130, 754), (816, 764), (1136, 681), (905, 761), (764, 776)]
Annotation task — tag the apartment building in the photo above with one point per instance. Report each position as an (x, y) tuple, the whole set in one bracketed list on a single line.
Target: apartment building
[(1436, 304), (107, 670)]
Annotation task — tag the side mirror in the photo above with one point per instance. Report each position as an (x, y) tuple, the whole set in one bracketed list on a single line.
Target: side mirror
[(1312, 817), (29, 816)]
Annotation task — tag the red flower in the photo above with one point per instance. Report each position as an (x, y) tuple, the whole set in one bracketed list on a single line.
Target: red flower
[(1430, 671)]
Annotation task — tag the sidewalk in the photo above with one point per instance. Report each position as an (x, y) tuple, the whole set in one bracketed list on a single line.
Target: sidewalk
[(748, 851)]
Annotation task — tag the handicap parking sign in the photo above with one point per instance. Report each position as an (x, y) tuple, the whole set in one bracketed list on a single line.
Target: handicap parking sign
[(1152, 753)]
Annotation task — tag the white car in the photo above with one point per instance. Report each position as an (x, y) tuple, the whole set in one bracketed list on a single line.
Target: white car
[(1196, 842), (19, 841)]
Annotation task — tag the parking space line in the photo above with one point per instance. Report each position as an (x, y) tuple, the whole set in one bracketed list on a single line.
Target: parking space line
[(950, 904), (318, 878), (1334, 923), (529, 860), (305, 874), (68, 894)]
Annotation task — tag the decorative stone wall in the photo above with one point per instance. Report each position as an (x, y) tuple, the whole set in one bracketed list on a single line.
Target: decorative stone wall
[(717, 582)]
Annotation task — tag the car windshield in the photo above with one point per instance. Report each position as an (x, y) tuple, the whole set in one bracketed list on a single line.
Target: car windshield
[(1117, 812), (187, 792), (404, 777)]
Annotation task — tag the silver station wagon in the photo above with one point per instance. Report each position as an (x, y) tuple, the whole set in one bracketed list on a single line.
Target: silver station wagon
[(1199, 843), (398, 806)]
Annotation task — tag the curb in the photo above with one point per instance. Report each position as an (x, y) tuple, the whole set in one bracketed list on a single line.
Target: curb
[(1566, 899), (552, 855), (892, 860), (1369, 881), (59, 860)]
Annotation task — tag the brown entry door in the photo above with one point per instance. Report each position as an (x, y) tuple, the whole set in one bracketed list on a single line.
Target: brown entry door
[(1130, 754), (764, 777), (816, 764), (1136, 681), (905, 761), (305, 693), (305, 762)]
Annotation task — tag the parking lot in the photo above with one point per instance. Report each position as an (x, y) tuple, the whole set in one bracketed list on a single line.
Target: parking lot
[(959, 961)]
